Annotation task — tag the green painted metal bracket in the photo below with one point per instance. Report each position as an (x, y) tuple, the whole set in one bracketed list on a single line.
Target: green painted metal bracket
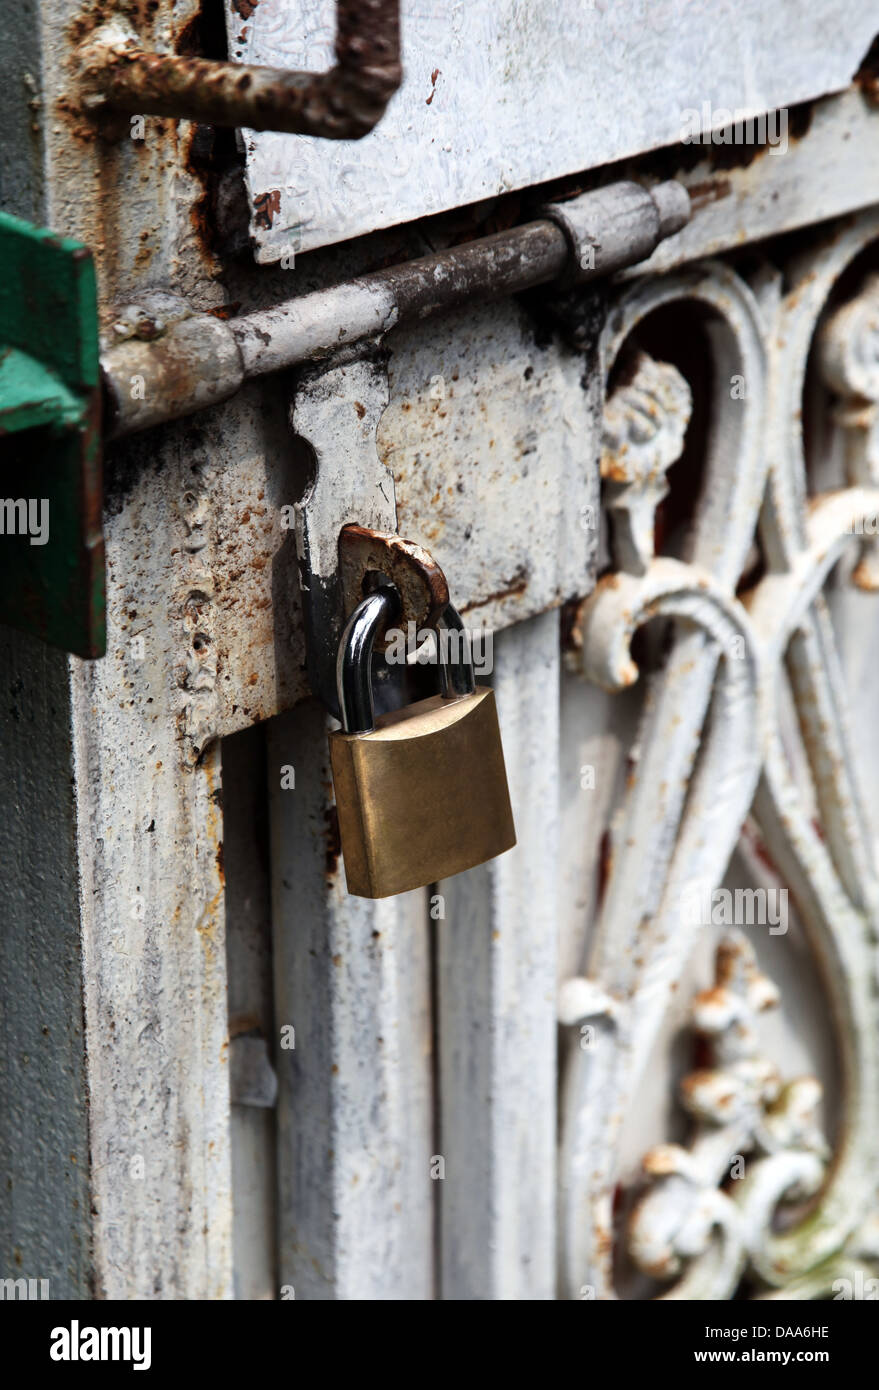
[(51, 540)]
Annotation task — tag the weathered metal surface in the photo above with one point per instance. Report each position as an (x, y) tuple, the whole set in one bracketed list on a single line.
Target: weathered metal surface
[(161, 361), (139, 203), (834, 869), (183, 363), (420, 583), (483, 419), (655, 848), (215, 547), (181, 511), (337, 413), (634, 972), (342, 104), (156, 1081), (686, 1224), (488, 423), (733, 205), (644, 429), (150, 836), (617, 225), (504, 95), (217, 356), (742, 194), (355, 1169), (51, 581), (849, 366), (686, 1230), (496, 934)]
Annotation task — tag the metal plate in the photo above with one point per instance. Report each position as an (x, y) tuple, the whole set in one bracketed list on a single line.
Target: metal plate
[(500, 94), (492, 436)]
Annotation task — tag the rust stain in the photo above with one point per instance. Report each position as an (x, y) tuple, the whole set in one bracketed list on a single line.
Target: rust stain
[(433, 76), (605, 866), (240, 1024), (268, 206), (202, 211), (145, 251), (709, 191), (206, 925), (343, 103), (514, 587), (225, 311), (333, 842), (70, 114), (419, 581), (84, 24), (210, 918), (867, 76), (612, 469)]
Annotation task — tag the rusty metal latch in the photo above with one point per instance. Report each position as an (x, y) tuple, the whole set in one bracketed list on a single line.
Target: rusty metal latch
[(342, 104), (195, 359)]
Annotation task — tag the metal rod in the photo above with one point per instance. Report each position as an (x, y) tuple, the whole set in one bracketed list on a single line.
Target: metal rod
[(343, 104), (456, 676), (199, 359), (320, 323), (354, 662)]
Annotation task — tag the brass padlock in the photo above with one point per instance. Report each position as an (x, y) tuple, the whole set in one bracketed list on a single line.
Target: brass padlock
[(421, 792)]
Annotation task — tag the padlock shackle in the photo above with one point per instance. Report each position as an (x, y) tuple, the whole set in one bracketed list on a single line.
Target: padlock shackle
[(456, 677), (354, 662)]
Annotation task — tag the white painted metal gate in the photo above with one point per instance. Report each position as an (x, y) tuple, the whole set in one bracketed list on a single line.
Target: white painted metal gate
[(635, 1056)]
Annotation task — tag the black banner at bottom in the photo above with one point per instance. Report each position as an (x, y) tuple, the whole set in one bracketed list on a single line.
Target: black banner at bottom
[(85, 1339)]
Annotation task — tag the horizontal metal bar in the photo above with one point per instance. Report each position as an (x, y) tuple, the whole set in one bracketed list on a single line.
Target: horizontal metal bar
[(317, 324), (342, 104), (198, 360)]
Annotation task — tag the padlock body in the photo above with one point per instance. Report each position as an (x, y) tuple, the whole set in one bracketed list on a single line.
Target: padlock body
[(423, 796)]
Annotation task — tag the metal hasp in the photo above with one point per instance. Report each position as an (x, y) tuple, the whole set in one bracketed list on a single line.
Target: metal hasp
[(418, 579), (413, 576), (52, 545), (342, 104)]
